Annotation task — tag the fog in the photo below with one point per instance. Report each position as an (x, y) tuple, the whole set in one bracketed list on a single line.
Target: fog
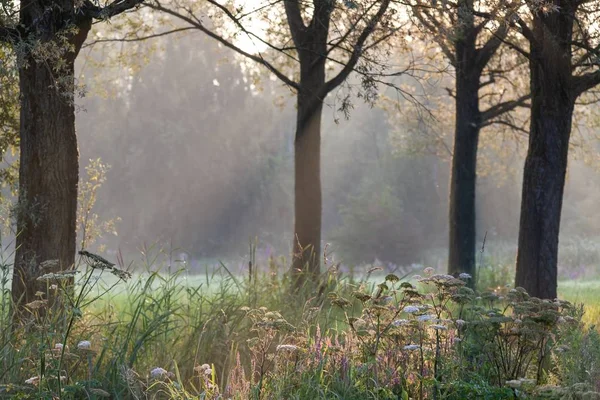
[(201, 162)]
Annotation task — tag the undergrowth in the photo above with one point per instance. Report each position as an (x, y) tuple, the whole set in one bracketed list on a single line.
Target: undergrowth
[(225, 336)]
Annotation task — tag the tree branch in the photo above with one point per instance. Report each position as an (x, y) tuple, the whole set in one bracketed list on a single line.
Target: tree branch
[(138, 38), (90, 10), (256, 58), (585, 82), (358, 48), (294, 17), (504, 107), (487, 51)]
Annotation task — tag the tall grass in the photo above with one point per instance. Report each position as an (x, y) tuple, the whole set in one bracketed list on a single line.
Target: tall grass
[(164, 333)]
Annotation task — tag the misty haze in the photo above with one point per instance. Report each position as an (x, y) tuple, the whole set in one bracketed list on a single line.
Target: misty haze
[(311, 200)]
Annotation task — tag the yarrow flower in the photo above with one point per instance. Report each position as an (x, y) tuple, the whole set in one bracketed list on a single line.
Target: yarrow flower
[(460, 322), (287, 347), (428, 271), (400, 322), (411, 347), (34, 380), (84, 345), (464, 275), (158, 373), (58, 346), (439, 327), (411, 309), (425, 317)]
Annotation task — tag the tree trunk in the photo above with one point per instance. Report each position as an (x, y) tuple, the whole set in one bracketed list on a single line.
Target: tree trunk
[(546, 163), (307, 193), (307, 167), (49, 164), (461, 257)]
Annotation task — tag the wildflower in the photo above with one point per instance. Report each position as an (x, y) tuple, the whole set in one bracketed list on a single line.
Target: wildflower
[(36, 304), (58, 276), (411, 347), (287, 347), (518, 321), (34, 380), (456, 340), (417, 277), (439, 327), (561, 320), (158, 373), (411, 309), (84, 345), (208, 372), (58, 346), (460, 322), (53, 286), (428, 271), (400, 322), (464, 275), (425, 317)]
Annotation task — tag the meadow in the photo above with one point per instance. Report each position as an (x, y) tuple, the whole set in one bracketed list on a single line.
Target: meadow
[(223, 334)]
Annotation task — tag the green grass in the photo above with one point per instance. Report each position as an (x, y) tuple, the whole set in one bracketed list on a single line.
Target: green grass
[(181, 321), (586, 292)]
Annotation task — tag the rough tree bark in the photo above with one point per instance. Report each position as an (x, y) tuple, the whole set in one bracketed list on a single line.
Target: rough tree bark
[(49, 164), (553, 101), (461, 256), (49, 158)]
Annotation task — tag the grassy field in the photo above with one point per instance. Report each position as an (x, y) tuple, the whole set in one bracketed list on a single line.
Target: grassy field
[(218, 335), (586, 292)]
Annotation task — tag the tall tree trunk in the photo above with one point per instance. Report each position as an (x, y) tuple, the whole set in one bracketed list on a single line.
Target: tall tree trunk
[(49, 159), (461, 218), (308, 201), (546, 163), (461, 256), (48, 178), (307, 192)]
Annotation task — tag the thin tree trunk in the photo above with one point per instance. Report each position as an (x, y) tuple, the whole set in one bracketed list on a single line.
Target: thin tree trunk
[(49, 164), (308, 201), (307, 192), (546, 162), (461, 257)]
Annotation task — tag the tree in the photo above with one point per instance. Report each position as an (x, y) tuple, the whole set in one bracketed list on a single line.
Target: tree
[(469, 39), (47, 38), (311, 38), (563, 60)]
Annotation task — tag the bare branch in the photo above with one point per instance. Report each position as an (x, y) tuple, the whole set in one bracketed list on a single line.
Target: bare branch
[(502, 108), (90, 10), (138, 38), (585, 82), (199, 26)]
